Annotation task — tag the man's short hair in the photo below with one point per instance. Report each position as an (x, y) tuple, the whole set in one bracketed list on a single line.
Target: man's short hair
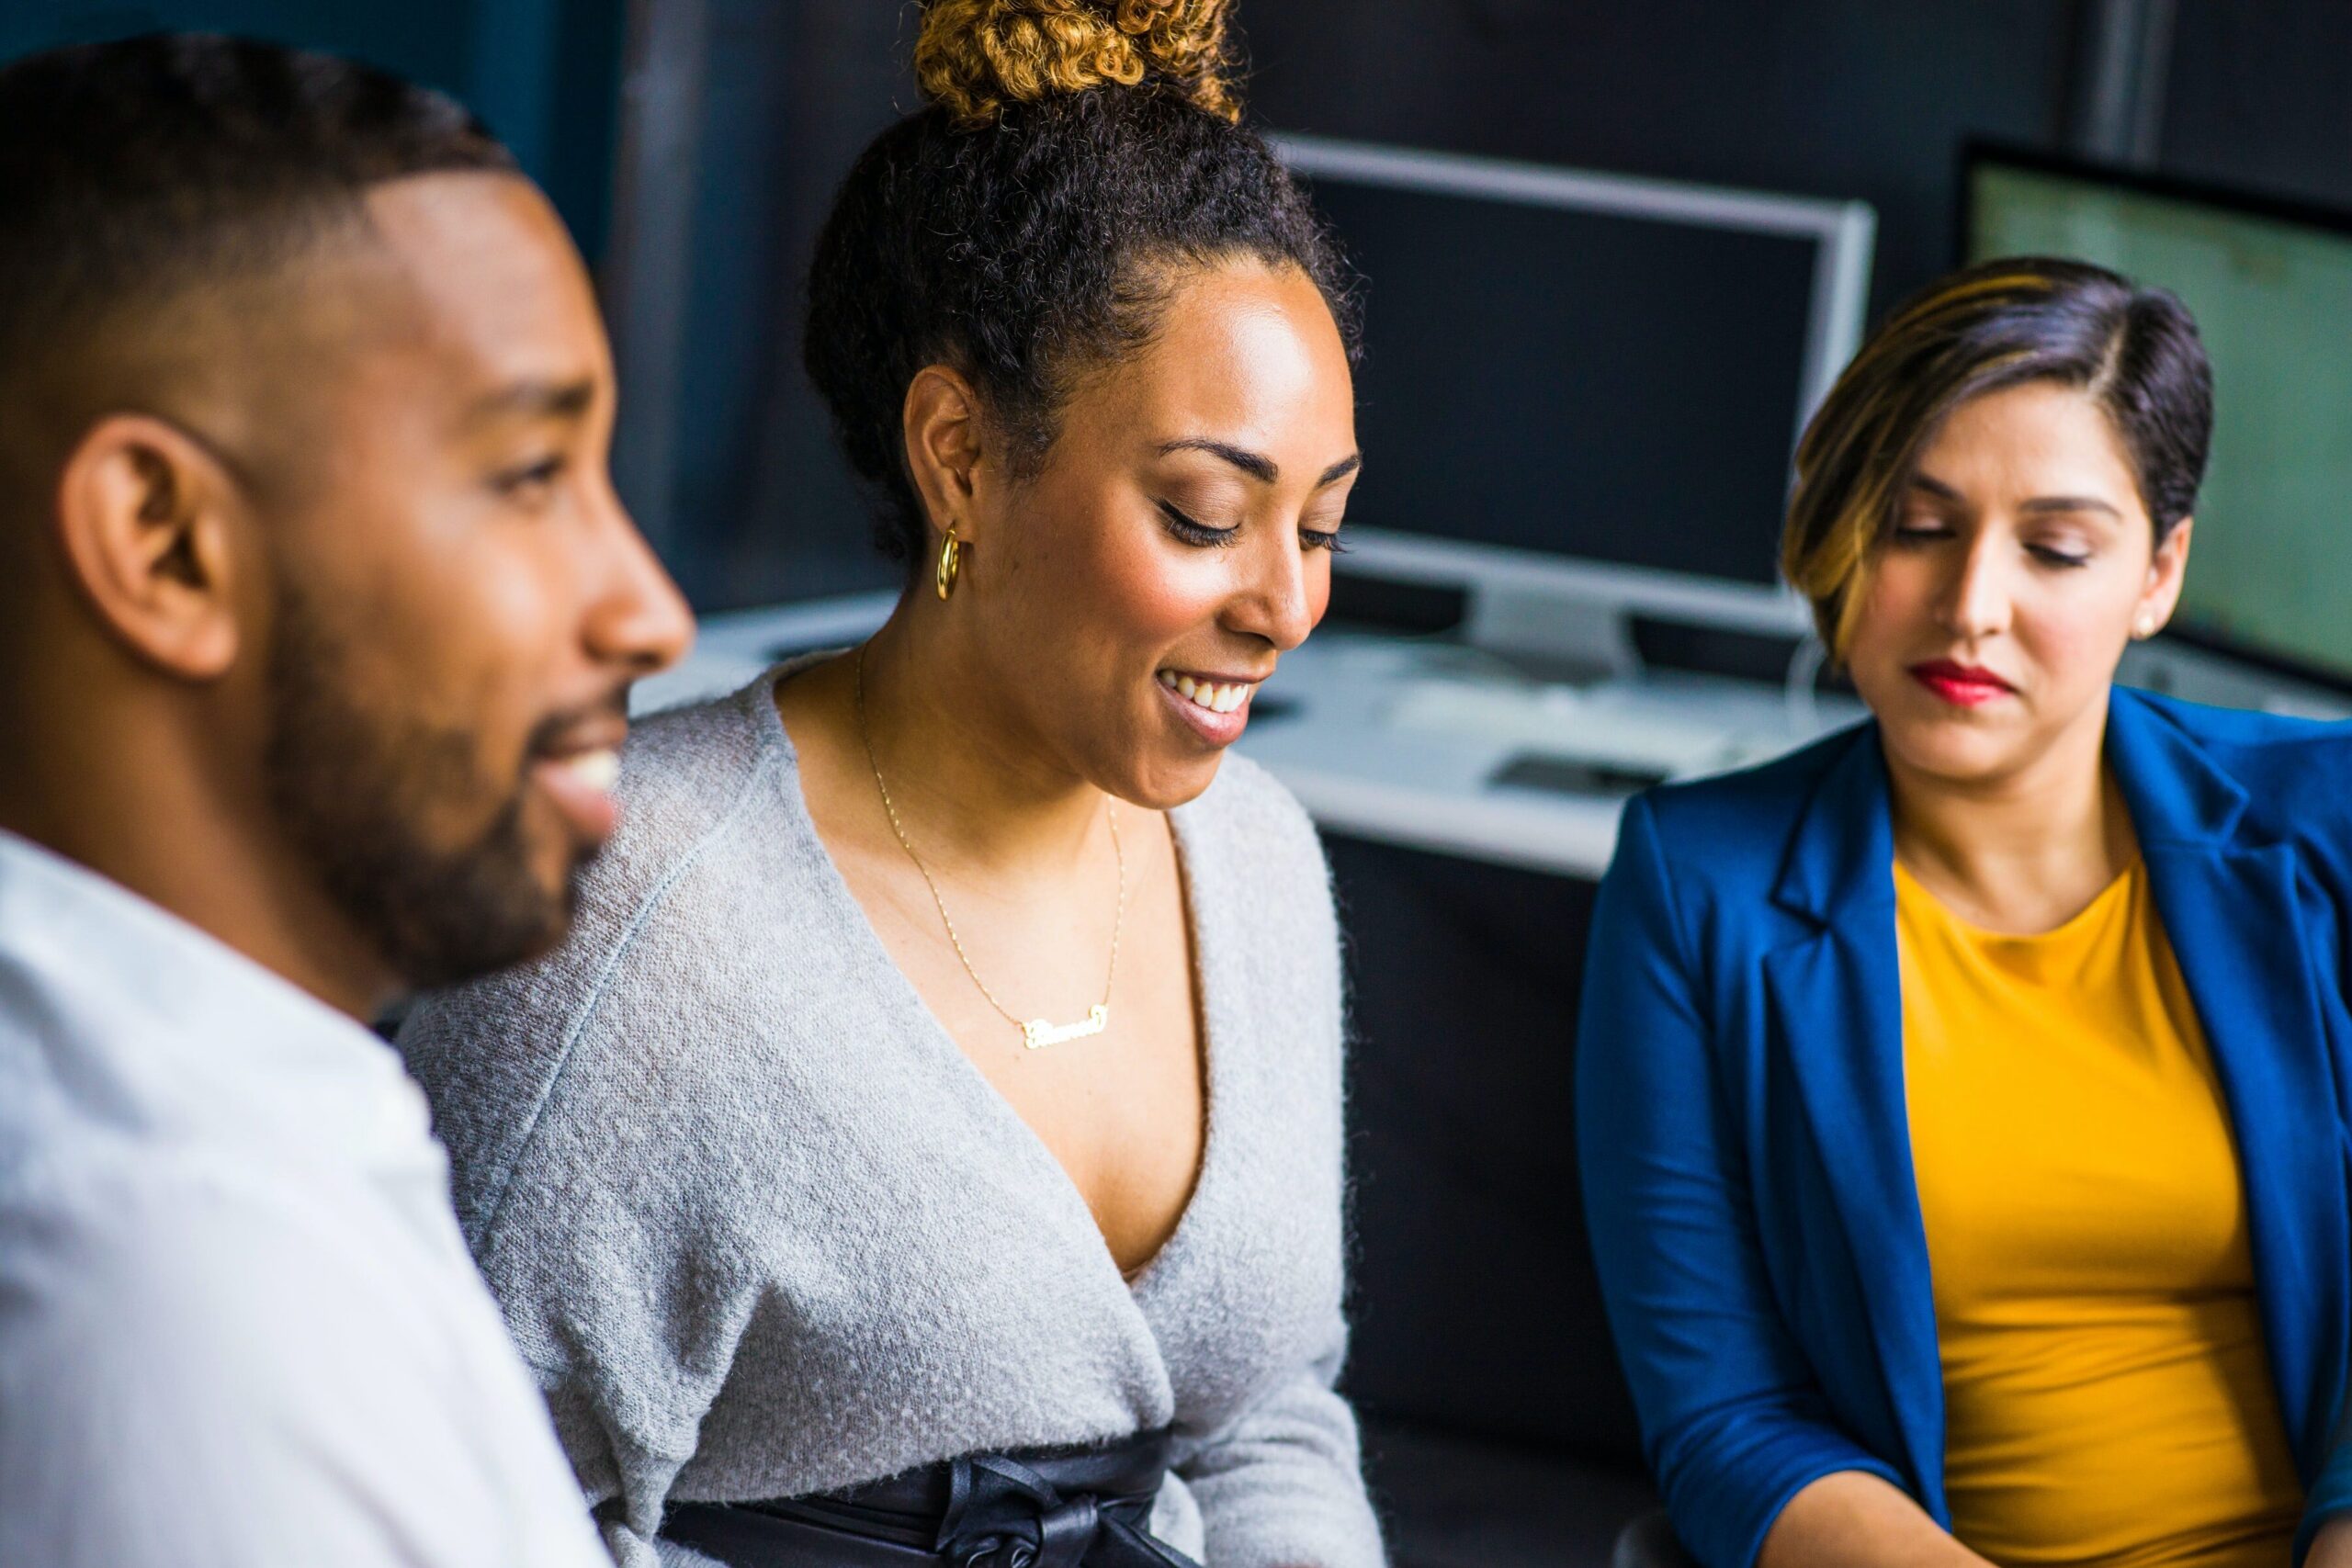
[(135, 174)]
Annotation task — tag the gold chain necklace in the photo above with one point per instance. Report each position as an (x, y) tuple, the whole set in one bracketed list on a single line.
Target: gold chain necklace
[(1036, 1032)]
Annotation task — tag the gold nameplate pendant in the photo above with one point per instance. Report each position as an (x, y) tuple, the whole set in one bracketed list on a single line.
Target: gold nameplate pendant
[(1038, 1034)]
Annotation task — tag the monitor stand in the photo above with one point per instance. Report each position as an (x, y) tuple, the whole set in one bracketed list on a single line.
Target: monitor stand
[(1517, 737)]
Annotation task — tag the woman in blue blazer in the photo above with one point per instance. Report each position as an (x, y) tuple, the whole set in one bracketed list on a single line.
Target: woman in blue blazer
[(1994, 500)]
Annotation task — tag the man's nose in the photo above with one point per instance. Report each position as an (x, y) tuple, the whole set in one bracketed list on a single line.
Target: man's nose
[(639, 620)]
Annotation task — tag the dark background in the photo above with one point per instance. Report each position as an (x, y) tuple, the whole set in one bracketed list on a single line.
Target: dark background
[(547, 73), (693, 145), (1823, 97)]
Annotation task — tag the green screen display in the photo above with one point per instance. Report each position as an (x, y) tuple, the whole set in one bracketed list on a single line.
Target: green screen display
[(2271, 569)]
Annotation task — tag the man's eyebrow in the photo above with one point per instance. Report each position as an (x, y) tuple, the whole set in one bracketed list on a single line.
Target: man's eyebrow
[(540, 400)]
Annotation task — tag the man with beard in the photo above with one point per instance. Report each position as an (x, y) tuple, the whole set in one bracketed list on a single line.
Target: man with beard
[(317, 617)]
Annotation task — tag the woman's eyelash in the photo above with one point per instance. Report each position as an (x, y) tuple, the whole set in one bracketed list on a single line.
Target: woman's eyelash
[(1193, 533), (1924, 533)]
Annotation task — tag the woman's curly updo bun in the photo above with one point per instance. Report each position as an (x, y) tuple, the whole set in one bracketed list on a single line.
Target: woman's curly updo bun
[(1075, 159), (975, 56)]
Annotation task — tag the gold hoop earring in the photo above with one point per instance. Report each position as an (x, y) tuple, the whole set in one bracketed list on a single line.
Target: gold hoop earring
[(951, 563)]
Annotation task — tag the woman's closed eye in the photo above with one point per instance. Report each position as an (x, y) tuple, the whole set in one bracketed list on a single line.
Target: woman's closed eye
[(1193, 532), (1921, 531), (1322, 539)]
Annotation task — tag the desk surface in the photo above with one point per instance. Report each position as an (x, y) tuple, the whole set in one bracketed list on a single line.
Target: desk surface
[(1414, 743), (1400, 740)]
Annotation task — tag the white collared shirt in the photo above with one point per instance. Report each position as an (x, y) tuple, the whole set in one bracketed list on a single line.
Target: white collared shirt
[(238, 1325)]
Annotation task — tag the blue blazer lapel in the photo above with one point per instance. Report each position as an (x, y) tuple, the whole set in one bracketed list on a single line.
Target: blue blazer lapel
[(1837, 1006), (2230, 910)]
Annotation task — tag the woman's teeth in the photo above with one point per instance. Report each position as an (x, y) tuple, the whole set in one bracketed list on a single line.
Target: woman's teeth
[(1206, 693), (599, 771)]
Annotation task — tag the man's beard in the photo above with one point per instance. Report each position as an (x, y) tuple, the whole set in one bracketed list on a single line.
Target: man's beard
[(354, 791)]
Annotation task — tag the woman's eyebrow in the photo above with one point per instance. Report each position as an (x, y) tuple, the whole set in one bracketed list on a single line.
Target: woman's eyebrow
[(1340, 470), (2068, 503), (1943, 491), (1257, 465)]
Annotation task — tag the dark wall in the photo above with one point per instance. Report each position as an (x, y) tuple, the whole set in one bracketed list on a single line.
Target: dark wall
[(788, 521), (2260, 95), (1819, 97), (1828, 97), (544, 74)]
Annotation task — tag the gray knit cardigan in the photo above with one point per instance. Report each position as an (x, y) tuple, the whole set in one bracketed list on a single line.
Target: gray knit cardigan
[(763, 1230)]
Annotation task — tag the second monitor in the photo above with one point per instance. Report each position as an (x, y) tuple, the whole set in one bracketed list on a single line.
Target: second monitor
[(1583, 366), (2270, 285)]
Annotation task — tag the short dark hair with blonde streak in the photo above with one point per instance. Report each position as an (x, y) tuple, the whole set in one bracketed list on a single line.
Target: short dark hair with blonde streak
[(1997, 325)]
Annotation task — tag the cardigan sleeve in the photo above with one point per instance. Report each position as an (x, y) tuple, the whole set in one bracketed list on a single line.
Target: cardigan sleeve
[(1733, 1422), (1281, 1486), (1279, 1481), (616, 1260)]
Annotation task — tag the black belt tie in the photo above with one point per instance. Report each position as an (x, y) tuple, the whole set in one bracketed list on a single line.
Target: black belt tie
[(1055, 1508)]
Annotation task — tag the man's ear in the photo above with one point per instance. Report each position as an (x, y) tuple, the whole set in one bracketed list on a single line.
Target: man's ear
[(144, 517), (946, 451)]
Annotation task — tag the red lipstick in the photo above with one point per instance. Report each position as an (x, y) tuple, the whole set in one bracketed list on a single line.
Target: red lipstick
[(1962, 686)]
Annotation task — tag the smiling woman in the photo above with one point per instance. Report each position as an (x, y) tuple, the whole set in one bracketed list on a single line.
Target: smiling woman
[(944, 1084), (1958, 1100)]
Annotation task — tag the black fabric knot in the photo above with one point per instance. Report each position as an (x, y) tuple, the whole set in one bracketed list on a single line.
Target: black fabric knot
[(1001, 1514)]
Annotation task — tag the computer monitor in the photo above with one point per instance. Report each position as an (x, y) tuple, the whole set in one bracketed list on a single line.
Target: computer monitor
[(1583, 366), (2270, 284)]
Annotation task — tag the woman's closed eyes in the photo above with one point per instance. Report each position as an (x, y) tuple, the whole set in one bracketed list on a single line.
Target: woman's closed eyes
[(1193, 532)]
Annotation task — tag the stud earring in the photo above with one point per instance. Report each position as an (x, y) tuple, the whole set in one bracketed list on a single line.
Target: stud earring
[(951, 563)]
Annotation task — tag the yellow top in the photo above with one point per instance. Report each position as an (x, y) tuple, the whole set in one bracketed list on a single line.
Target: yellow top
[(2107, 1391)]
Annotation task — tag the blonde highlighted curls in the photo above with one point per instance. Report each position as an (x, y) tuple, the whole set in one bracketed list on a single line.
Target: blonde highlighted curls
[(974, 56)]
